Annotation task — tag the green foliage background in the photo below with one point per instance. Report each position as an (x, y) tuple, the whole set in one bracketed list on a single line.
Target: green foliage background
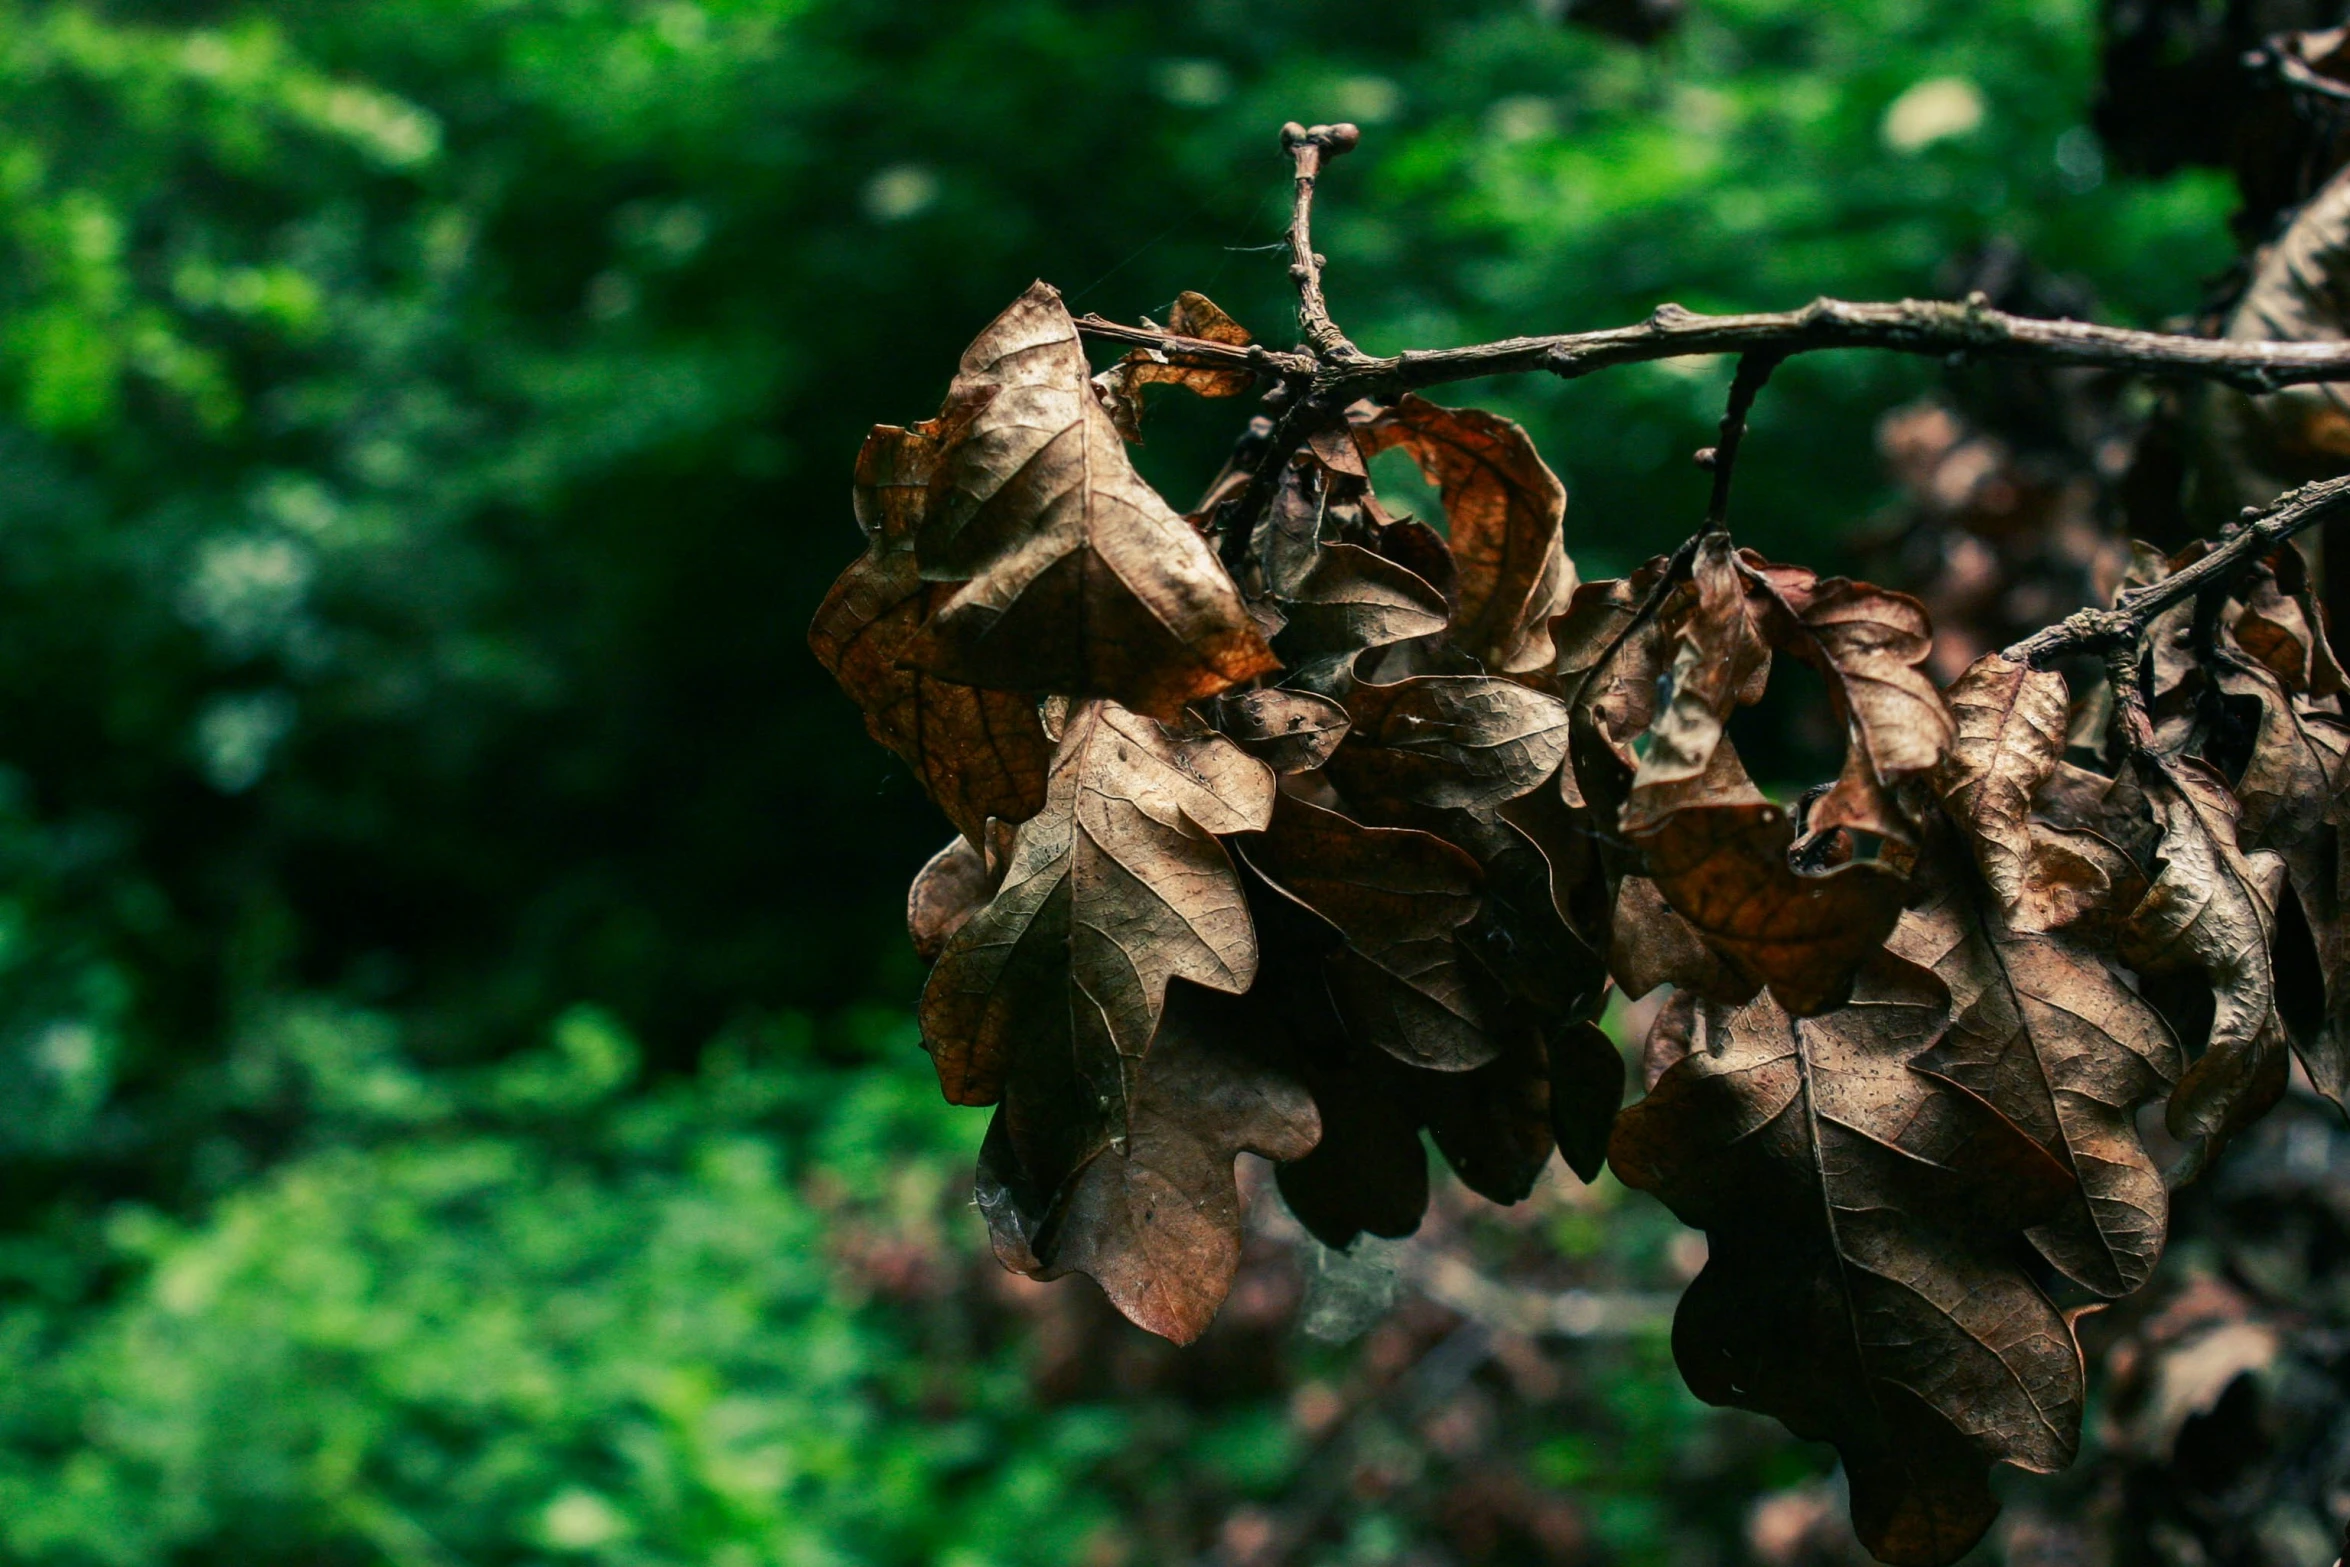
[(450, 988)]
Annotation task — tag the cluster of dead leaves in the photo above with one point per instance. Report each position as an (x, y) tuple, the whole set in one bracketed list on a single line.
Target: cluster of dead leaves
[(1298, 828)]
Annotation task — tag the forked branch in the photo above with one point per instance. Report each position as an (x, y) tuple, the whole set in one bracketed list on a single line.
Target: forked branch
[(1311, 147), (2259, 531)]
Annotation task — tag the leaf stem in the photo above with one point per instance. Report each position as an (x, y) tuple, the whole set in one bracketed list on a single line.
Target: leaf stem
[(1754, 369)]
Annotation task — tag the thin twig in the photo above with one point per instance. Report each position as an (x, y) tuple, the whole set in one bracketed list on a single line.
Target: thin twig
[(1910, 326), (1753, 370), (2260, 530), (1311, 148)]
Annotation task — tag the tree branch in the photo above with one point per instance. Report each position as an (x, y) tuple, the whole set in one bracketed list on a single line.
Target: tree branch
[(1910, 326), (1312, 148), (2261, 530)]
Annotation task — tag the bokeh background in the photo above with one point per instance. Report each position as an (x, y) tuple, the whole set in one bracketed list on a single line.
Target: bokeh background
[(457, 1096)]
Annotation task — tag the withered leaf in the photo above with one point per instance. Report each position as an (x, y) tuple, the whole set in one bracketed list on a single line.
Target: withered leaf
[(2045, 1031), (1586, 1090), (1154, 1218), (1118, 885), (2213, 909), (1650, 945), (1369, 1173), (1352, 598), (1194, 315), (977, 753), (1505, 513), (1718, 851), (1289, 731), (1860, 1284), (1398, 897), (2291, 784), (1725, 868), (1315, 556), (1077, 578), (2010, 738), (1871, 645), (1493, 1124), (1719, 660), (954, 884), (1609, 661), (2298, 283), (1460, 741)]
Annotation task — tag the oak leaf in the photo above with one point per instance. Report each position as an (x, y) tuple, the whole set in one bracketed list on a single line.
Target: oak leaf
[(1052, 993), (2046, 1031), (954, 884), (2010, 739), (1860, 1285), (2213, 910), (1447, 741), (1505, 516), (978, 754), (1289, 731), (1153, 1215), (1398, 898), (1076, 577)]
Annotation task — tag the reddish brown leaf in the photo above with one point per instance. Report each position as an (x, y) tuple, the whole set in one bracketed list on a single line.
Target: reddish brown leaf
[(1650, 945), (977, 753), (1725, 868), (1077, 579), (952, 886), (1860, 1285), (1153, 1217), (1195, 315), (1505, 512)]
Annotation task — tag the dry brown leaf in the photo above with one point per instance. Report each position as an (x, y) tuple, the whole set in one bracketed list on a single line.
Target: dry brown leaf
[(1447, 741), (1493, 1124), (1586, 1090), (2048, 1033), (1871, 646), (1725, 868), (1051, 994), (2292, 781), (1398, 898), (2298, 290), (1194, 315), (2213, 910), (1719, 660), (1860, 1285), (1077, 579), (977, 753), (1289, 731), (1505, 513), (1153, 1216), (954, 884), (2010, 722)]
